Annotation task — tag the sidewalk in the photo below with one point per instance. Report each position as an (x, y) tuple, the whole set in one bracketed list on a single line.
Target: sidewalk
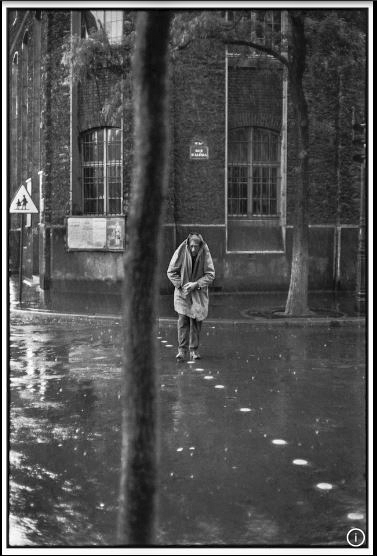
[(227, 308)]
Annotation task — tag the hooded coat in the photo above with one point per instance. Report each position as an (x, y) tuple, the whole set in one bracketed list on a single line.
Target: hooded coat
[(181, 271)]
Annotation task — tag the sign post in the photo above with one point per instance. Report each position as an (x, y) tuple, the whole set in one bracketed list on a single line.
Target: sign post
[(21, 257), (22, 204)]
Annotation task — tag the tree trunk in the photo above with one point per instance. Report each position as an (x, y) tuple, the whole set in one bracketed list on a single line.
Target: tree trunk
[(297, 301), (139, 385)]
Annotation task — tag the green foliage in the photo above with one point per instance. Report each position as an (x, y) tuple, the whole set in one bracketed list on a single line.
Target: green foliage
[(334, 42), (85, 56), (334, 82), (92, 57), (190, 26)]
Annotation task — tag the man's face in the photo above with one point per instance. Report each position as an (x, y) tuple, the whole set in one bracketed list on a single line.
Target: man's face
[(194, 246)]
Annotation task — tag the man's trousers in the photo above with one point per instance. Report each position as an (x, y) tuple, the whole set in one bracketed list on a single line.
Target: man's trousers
[(188, 332)]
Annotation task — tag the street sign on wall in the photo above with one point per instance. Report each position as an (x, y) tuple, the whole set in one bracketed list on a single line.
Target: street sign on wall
[(22, 203), (199, 150)]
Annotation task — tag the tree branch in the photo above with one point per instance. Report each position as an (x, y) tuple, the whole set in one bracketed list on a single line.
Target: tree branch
[(259, 47)]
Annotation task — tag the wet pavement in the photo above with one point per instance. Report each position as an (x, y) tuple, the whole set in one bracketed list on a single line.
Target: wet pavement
[(263, 441)]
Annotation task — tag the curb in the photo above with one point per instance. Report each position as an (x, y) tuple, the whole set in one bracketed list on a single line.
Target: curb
[(256, 321)]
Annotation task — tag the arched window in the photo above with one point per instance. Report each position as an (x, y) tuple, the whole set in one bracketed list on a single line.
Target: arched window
[(253, 172), (111, 21), (101, 171)]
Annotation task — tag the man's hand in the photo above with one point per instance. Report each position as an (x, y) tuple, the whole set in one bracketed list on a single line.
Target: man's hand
[(189, 287)]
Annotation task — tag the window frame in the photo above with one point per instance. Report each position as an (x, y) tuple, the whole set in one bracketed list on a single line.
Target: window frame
[(265, 28), (107, 15), (251, 164), (105, 163)]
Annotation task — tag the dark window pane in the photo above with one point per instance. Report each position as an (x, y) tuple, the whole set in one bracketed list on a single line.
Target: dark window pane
[(238, 152), (113, 152), (114, 190), (88, 151), (100, 206), (259, 30), (239, 134), (88, 172), (265, 190), (90, 190), (90, 207), (256, 206), (265, 206), (100, 188), (113, 172), (114, 206), (274, 153), (230, 190)]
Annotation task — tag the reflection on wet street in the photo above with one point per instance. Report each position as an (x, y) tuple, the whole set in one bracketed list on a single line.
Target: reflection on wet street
[(262, 441)]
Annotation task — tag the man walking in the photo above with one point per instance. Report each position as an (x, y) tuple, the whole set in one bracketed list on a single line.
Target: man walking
[(191, 271)]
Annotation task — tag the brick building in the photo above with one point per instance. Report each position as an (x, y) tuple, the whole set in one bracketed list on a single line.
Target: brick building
[(232, 159)]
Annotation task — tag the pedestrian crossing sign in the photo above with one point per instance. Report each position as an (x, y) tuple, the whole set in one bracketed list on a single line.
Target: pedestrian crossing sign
[(22, 203)]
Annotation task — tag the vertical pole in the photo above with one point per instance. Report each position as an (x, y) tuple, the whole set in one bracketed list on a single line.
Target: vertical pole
[(359, 138), (282, 209), (226, 142), (360, 284), (338, 155), (338, 256), (21, 259)]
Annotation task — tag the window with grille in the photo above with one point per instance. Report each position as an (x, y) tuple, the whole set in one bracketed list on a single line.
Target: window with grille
[(261, 26), (111, 21), (102, 171), (253, 172), (267, 27)]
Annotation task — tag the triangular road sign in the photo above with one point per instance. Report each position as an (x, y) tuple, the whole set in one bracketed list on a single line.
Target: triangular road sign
[(22, 203)]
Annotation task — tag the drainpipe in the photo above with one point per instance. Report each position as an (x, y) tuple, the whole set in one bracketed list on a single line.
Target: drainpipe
[(284, 131), (338, 230), (45, 175)]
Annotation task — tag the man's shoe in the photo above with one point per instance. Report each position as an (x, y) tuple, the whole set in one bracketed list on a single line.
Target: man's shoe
[(194, 355), (181, 355)]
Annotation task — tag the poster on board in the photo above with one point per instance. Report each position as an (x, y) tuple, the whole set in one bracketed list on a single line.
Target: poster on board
[(93, 233)]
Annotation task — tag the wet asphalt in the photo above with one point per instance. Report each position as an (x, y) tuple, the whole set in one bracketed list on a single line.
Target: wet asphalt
[(262, 441)]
